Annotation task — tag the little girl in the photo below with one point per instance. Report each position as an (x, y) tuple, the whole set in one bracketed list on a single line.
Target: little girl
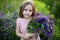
[(27, 12)]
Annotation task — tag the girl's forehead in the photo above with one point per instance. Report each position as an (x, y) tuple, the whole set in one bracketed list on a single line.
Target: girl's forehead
[(28, 6)]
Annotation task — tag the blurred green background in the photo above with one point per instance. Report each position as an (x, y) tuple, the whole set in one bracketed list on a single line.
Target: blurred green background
[(9, 10)]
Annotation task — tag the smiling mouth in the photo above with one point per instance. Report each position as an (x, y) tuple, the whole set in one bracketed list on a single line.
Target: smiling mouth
[(27, 15)]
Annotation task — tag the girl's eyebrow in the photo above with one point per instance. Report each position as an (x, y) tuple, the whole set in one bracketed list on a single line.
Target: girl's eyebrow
[(27, 9)]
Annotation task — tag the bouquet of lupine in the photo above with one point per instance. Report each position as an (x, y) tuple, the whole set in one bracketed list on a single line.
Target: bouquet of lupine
[(42, 24)]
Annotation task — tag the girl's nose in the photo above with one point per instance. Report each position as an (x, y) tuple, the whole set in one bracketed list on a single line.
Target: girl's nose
[(27, 12)]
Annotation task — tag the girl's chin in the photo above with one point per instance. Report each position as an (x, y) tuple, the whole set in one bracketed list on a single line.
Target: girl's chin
[(26, 16)]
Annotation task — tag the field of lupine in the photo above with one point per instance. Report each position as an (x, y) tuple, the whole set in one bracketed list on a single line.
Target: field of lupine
[(7, 28)]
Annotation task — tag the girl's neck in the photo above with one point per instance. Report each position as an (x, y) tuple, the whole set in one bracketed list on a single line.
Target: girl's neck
[(27, 18)]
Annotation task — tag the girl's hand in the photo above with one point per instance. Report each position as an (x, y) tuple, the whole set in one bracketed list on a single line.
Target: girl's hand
[(26, 37), (29, 35)]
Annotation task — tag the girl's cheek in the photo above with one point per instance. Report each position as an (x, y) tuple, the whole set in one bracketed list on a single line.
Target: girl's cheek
[(23, 12), (30, 13)]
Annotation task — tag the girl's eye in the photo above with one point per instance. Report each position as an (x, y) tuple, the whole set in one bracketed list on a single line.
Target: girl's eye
[(30, 10), (25, 9)]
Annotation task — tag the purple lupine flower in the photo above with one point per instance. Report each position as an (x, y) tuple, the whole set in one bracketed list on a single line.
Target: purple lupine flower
[(1, 15), (41, 20), (51, 22), (11, 24), (6, 23), (4, 26), (47, 34), (39, 15), (50, 18), (46, 26), (36, 34), (49, 29)]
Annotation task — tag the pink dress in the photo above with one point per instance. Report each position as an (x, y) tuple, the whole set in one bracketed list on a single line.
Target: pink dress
[(23, 27)]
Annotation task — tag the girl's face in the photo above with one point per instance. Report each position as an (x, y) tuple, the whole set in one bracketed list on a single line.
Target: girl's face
[(27, 12)]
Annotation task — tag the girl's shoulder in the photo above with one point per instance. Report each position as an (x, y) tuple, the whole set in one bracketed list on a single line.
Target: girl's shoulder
[(18, 19)]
